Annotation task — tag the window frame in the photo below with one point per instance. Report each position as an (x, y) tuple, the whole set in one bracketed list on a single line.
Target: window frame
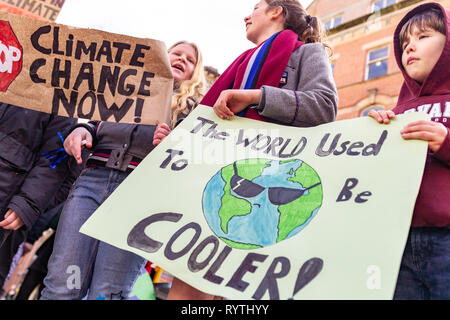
[(370, 62), (333, 22), (384, 5)]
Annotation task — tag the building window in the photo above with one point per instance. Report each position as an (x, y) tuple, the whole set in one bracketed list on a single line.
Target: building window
[(377, 63), (366, 111), (333, 23), (378, 5)]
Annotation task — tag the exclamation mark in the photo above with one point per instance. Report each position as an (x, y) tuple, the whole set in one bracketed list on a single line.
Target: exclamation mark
[(138, 111), (309, 270)]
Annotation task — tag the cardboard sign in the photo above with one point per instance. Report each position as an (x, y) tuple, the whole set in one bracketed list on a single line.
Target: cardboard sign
[(250, 210), (83, 73), (39, 9)]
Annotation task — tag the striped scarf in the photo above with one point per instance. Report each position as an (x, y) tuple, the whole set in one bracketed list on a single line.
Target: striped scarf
[(263, 65)]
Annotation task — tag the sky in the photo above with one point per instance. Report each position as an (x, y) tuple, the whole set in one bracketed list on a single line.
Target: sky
[(216, 26)]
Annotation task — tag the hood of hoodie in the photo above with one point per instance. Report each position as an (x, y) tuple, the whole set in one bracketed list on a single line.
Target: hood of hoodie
[(438, 81)]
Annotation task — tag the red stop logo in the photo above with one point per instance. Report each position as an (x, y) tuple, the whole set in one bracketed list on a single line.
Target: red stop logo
[(10, 56)]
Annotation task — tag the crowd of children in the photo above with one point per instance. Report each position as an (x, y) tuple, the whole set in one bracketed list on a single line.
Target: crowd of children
[(285, 79)]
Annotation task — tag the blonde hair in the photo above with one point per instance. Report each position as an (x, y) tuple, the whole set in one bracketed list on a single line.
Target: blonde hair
[(190, 91)]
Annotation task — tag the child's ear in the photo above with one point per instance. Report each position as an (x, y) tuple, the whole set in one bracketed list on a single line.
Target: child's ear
[(276, 12)]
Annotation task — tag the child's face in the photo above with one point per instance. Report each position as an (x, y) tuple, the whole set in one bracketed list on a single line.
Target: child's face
[(421, 50), (257, 22), (183, 60)]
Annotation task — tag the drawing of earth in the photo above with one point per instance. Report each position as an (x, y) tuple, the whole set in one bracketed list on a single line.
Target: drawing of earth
[(254, 203)]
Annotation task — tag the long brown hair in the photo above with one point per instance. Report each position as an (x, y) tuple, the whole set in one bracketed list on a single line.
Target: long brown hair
[(308, 28)]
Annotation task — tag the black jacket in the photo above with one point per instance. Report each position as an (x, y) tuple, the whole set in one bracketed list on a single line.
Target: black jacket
[(27, 183), (124, 140)]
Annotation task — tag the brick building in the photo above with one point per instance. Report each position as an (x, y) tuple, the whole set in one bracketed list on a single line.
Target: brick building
[(364, 67)]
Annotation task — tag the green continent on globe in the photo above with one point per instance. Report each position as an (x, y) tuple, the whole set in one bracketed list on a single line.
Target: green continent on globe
[(297, 212), (240, 245), (249, 169)]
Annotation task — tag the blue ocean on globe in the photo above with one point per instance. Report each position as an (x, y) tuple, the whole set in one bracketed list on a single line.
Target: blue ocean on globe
[(254, 209)]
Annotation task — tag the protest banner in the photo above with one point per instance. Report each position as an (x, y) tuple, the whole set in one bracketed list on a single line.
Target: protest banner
[(38, 9), (250, 210), (83, 73)]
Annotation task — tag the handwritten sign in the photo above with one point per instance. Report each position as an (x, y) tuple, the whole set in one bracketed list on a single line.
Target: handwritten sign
[(250, 210), (83, 73), (39, 9)]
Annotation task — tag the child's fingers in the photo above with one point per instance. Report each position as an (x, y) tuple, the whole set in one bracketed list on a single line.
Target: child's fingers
[(221, 108), (217, 111), (160, 135), (76, 148), (422, 135), (382, 116), (390, 114), (163, 127), (228, 113), (387, 115), (14, 225), (386, 118), (434, 142), (7, 221), (8, 213), (163, 131), (73, 147), (420, 123), (433, 132), (377, 115), (225, 109), (220, 111), (88, 141), (156, 142), (436, 128), (9, 217), (418, 126), (10, 225), (67, 144), (222, 103)]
